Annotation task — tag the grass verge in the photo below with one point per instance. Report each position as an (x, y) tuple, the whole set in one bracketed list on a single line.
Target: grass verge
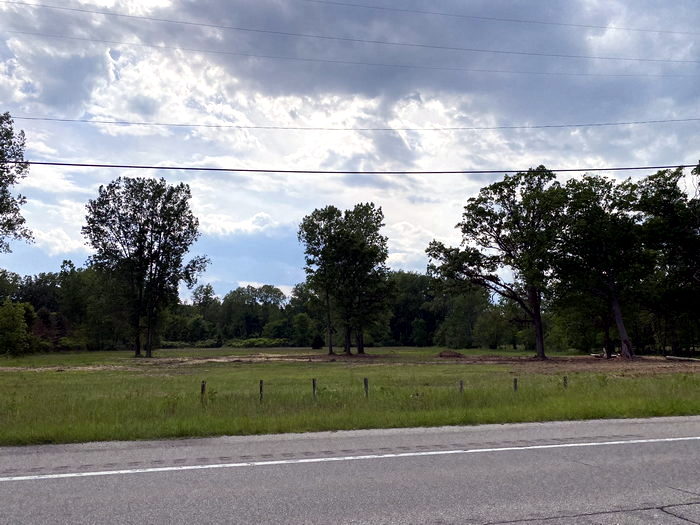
[(164, 402)]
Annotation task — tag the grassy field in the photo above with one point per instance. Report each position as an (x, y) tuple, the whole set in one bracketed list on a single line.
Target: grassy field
[(57, 398)]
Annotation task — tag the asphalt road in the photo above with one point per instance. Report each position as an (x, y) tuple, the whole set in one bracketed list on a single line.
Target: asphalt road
[(604, 472)]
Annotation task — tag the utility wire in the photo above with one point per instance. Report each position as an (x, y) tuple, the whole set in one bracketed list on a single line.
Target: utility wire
[(323, 128), (335, 172), (362, 40), (499, 19), (350, 62)]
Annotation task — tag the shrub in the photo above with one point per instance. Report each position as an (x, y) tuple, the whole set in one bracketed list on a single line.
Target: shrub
[(14, 334), (258, 342)]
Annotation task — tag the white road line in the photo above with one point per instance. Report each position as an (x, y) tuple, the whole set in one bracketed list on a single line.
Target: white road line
[(340, 458)]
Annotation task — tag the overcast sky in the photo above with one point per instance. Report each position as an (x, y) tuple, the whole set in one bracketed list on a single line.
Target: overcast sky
[(134, 68)]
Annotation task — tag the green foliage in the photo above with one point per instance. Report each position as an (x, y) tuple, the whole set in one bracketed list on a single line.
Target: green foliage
[(510, 226), (257, 342), (463, 311), (419, 332), (414, 317), (303, 330), (141, 229), (15, 338), (345, 266), (13, 169), (278, 329), (493, 329), (246, 310)]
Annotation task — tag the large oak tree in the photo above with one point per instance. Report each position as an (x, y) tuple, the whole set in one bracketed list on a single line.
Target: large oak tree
[(509, 231)]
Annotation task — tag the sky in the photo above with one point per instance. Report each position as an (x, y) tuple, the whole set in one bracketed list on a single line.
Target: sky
[(416, 67)]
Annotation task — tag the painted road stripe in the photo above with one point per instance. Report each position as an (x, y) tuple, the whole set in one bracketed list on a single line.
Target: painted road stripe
[(341, 458)]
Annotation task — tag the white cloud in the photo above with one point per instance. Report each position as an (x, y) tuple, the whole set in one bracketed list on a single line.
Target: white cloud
[(222, 224), (285, 288), (56, 241), (80, 79)]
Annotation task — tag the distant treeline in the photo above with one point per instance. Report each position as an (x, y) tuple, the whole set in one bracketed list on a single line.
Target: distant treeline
[(593, 264), (78, 309)]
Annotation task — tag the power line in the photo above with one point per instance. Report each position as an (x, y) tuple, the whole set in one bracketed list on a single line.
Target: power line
[(499, 19), (338, 172), (361, 40), (351, 62), (389, 129)]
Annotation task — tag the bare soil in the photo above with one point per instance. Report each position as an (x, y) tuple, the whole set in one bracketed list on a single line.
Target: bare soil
[(553, 365), (518, 364)]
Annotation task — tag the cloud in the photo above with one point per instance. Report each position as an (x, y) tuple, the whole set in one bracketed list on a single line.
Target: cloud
[(221, 224), (249, 220), (56, 241), (286, 289)]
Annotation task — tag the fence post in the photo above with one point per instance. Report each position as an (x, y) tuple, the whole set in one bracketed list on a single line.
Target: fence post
[(566, 382), (461, 386), (261, 390), (515, 384), (366, 382), (313, 387), (203, 392)]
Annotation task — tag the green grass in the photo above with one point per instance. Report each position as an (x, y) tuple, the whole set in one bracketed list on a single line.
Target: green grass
[(162, 400), (125, 358)]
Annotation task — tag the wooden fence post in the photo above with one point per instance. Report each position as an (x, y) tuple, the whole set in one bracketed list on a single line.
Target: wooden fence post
[(366, 382), (515, 384), (461, 386), (261, 389), (313, 387), (203, 392)]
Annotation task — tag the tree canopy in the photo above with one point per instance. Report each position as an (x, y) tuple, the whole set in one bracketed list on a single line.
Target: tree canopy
[(346, 265), (508, 230), (13, 169), (141, 229)]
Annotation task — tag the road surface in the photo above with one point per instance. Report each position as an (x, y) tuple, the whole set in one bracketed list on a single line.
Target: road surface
[(595, 472)]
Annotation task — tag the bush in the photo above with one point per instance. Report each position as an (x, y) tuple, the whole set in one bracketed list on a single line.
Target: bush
[(165, 345), (14, 334), (317, 342), (258, 342), (74, 342), (209, 343)]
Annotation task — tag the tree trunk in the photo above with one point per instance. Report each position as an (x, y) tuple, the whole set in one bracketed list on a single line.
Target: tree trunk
[(608, 345), (534, 300), (348, 339), (626, 350), (360, 337), (328, 323), (137, 341), (149, 335), (137, 321)]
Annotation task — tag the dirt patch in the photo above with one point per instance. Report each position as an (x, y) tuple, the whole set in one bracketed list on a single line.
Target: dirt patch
[(85, 368), (517, 364), (450, 354), (636, 367)]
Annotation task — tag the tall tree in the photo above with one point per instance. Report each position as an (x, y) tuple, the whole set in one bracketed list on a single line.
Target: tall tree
[(345, 263), (142, 229), (600, 250), (511, 226), (364, 288), (13, 169), (318, 232), (670, 224)]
